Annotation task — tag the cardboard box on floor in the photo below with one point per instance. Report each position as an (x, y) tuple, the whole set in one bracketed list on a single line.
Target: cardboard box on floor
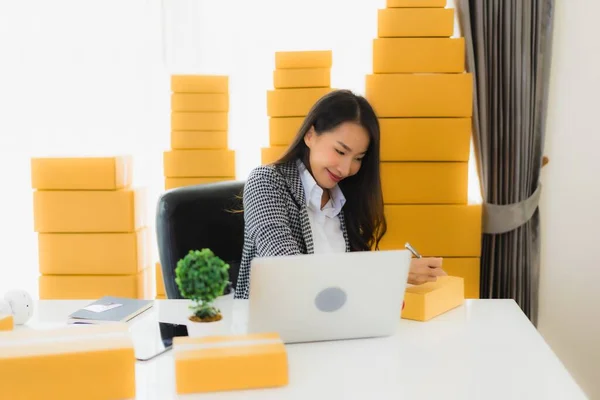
[(70, 287), (81, 173), (160, 283), (89, 211), (94, 253), (424, 182), (200, 84), (199, 163)]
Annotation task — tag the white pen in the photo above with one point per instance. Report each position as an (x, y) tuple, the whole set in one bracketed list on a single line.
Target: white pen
[(412, 250)]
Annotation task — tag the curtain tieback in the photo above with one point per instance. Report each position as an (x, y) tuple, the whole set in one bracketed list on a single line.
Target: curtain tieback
[(507, 217)]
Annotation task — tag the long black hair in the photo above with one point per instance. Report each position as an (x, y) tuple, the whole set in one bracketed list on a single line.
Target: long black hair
[(363, 210)]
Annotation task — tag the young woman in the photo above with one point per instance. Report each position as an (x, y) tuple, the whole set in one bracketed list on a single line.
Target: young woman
[(324, 194)]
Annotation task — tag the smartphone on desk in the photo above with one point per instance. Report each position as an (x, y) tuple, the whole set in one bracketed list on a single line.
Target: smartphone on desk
[(155, 338)]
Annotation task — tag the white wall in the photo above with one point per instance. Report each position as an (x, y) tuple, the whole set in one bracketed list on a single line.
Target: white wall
[(75, 78), (569, 317), (84, 78)]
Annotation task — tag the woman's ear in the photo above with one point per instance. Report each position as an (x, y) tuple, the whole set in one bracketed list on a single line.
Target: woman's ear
[(309, 137)]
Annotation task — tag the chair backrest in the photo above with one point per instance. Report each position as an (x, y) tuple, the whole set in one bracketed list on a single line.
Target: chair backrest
[(197, 217)]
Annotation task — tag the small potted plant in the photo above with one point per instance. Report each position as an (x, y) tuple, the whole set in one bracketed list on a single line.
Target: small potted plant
[(202, 277)]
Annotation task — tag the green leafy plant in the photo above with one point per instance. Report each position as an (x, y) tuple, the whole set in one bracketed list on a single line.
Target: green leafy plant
[(202, 277)]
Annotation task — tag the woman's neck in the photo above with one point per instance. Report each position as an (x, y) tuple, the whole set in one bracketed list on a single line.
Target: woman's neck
[(324, 198)]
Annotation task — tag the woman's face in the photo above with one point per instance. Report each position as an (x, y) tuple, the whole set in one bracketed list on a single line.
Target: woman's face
[(336, 154)]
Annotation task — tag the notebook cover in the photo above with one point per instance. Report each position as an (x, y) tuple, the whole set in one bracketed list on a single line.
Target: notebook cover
[(111, 309)]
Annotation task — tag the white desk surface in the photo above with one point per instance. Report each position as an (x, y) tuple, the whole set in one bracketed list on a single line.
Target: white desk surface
[(486, 349)]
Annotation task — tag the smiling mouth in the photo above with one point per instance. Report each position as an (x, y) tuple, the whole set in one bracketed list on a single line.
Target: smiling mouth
[(334, 177)]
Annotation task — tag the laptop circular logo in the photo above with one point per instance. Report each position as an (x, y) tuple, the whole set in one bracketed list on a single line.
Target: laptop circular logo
[(330, 299)]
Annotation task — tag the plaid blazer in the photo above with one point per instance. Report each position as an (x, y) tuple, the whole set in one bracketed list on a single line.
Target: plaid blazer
[(275, 219)]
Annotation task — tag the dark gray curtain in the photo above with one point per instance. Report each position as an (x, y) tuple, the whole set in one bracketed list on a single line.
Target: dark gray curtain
[(508, 52)]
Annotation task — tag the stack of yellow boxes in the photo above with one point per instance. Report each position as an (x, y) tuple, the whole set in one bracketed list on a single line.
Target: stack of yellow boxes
[(300, 79), (92, 229), (424, 100), (161, 292), (199, 132)]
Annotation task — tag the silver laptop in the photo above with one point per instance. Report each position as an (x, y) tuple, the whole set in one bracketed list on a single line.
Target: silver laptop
[(334, 296)]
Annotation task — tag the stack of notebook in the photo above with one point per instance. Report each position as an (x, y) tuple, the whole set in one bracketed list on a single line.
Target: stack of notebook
[(109, 310)]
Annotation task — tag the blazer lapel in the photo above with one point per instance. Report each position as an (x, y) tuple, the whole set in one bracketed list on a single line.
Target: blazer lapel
[(344, 231), (292, 177), (307, 230)]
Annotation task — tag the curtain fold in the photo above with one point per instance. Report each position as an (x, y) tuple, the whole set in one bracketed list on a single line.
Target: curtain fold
[(508, 52)]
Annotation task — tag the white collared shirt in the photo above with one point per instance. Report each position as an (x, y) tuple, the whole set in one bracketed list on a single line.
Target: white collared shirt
[(324, 222)]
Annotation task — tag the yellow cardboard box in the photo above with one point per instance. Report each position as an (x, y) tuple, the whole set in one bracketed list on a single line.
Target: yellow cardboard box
[(408, 55), (7, 322), (282, 131), (301, 78), (200, 84), (424, 182), (229, 363), (173, 183), (94, 253), (415, 22), (466, 268), (189, 140), (91, 362), (81, 173), (201, 102), (271, 154), (293, 102), (199, 163), (76, 211), (160, 283), (426, 301), (416, 3), (303, 59), (434, 230), (421, 95), (199, 121), (425, 139), (72, 287)]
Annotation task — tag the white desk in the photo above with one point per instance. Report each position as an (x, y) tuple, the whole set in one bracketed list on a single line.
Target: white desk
[(486, 349)]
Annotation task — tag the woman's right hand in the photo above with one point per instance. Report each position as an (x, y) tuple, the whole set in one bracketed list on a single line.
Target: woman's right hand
[(424, 270)]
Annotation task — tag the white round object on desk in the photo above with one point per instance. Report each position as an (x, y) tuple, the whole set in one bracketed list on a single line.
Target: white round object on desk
[(5, 308), (21, 305)]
